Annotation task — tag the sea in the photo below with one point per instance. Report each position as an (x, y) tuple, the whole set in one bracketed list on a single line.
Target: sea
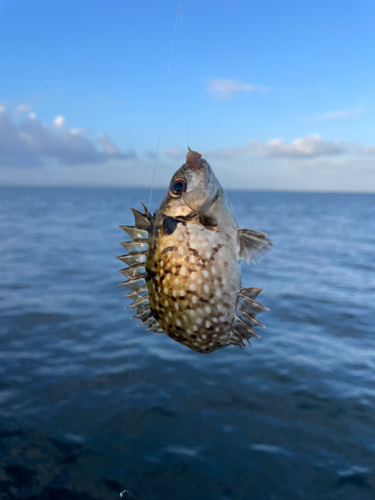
[(93, 407)]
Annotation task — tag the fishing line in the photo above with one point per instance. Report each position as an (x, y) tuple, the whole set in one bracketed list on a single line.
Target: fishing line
[(163, 108), (126, 492), (183, 75), (125, 422)]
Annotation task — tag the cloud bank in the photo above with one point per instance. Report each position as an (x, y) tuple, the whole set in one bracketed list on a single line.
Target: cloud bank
[(30, 143), (306, 163), (304, 148)]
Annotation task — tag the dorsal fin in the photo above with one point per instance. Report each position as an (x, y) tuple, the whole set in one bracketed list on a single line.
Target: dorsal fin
[(135, 233), (134, 258), (141, 220), (147, 213), (136, 270), (132, 272), (252, 244), (139, 303)]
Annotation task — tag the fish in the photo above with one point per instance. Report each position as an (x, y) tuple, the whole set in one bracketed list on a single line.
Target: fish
[(184, 264)]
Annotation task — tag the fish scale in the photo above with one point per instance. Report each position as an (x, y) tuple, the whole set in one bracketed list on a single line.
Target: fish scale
[(184, 271)]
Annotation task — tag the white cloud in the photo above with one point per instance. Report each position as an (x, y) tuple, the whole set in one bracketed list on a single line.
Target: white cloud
[(59, 121), (304, 163), (21, 109), (224, 90), (30, 143), (108, 147), (311, 146), (363, 150), (78, 131), (340, 114)]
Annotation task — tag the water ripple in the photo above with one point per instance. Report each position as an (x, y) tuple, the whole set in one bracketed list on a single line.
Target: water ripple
[(90, 403)]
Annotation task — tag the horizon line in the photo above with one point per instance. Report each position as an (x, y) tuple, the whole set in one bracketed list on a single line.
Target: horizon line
[(100, 186)]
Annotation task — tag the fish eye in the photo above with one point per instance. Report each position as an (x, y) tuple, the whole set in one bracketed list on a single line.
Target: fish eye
[(177, 187)]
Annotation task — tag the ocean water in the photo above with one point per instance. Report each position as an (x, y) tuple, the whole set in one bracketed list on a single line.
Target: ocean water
[(91, 405)]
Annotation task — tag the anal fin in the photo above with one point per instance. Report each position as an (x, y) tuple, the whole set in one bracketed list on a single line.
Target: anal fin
[(245, 319)]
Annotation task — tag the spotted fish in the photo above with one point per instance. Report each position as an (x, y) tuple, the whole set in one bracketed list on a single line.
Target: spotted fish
[(184, 272)]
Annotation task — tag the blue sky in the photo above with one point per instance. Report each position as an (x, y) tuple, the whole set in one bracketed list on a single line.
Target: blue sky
[(280, 95)]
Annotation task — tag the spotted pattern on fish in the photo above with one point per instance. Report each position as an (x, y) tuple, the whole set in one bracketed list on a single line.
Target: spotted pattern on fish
[(186, 288)]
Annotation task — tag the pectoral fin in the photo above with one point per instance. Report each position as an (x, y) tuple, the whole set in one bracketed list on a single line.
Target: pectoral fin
[(252, 244), (199, 200)]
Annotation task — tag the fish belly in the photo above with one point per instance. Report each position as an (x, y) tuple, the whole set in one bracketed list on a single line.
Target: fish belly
[(193, 277)]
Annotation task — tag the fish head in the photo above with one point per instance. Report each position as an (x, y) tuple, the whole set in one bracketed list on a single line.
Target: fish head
[(193, 188)]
